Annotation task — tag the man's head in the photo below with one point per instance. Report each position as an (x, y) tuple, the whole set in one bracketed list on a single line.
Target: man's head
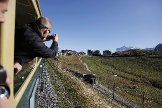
[(45, 25), (4, 76), (3, 9)]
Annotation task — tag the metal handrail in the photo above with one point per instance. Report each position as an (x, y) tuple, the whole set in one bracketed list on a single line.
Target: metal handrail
[(22, 89)]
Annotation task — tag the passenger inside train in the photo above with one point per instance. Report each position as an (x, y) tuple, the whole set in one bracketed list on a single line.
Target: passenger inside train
[(5, 80)]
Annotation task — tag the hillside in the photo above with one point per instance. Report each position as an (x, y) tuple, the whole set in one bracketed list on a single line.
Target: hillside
[(136, 77), (71, 91), (126, 81), (137, 80), (139, 52)]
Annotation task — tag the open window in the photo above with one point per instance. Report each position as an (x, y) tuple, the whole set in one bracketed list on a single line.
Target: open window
[(26, 11)]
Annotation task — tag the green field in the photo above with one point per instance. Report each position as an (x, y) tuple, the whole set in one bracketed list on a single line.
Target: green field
[(137, 79), (71, 90), (136, 76)]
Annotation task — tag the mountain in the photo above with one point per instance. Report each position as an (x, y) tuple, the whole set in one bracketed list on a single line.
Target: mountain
[(149, 48), (123, 48), (158, 47)]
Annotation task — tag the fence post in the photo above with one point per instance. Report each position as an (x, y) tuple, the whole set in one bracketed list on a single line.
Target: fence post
[(113, 89), (143, 99), (114, 86)]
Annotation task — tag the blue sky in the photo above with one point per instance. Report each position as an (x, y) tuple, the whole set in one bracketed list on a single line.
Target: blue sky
[(104, 24)]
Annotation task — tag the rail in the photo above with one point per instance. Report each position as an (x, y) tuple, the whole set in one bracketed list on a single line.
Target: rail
[(23, 87)]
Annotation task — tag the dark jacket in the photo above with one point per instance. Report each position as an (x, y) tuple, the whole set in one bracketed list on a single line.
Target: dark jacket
[(29, 44)]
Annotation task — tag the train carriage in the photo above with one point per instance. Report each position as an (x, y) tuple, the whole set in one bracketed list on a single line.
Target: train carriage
[(19, 13)]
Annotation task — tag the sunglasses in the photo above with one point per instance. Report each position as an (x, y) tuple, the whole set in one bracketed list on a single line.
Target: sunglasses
[(46, 28)]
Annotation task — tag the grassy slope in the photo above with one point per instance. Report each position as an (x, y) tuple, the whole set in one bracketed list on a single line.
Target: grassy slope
[(80, 93), (143, 72)]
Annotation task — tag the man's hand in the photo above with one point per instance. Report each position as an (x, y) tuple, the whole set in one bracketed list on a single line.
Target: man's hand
[(17, 67), (55, 37)]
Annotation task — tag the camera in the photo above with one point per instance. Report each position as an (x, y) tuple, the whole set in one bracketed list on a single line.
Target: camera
[(49, 37)]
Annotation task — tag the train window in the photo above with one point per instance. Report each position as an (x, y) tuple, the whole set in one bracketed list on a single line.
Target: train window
[(22, 75), (25, 13)]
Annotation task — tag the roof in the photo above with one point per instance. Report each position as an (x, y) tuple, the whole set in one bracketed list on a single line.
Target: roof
[(27, 11)]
